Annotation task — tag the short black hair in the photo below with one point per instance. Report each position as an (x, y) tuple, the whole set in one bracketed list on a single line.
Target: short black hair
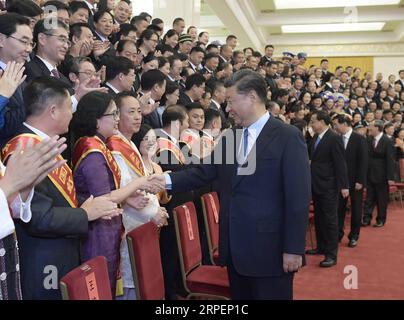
[(212, 45), (197, 49), (125, 29), (173, 113), (74, 6), (121, 45), (162, 61), (211, 55), (344, 119), (25, 8), (231, 36), (40, 91), (176, 20), (122, 95), (57, 4), (210, 115), (137, 19), (154, 28), (117, 65), (269, 46), (195, 79), (100, 13), (246, 81), (151, 78), (76, 29), (10, 21), (323, 60), (163, 48), (157, 21), (193, 105), (42, 27), (322, 116), (91, 107)]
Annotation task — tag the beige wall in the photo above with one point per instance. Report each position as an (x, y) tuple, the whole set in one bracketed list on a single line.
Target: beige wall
[(388, 65)]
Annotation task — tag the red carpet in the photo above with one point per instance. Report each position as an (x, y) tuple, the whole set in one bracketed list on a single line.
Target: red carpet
[(379, 258)]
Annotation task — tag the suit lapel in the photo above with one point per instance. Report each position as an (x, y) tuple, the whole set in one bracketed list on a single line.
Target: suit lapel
[(266, 136)]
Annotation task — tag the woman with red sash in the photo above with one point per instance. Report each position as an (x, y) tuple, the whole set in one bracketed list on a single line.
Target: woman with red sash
[(96, 173)]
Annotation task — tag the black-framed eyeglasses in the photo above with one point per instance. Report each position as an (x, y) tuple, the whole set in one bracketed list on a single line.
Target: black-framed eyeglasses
[(115, 114), (61, 39), (24, 42)]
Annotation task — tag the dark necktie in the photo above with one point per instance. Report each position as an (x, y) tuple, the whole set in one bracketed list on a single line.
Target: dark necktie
[(55, 73)]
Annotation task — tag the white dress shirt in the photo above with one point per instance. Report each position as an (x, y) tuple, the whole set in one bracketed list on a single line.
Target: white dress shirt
[(346, 137), (19, 210), (377, 138)]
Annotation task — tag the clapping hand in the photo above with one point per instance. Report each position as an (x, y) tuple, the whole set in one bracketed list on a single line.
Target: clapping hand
[(11, 78), (101, 207), (139, 200), (86, 86), (160, 219)]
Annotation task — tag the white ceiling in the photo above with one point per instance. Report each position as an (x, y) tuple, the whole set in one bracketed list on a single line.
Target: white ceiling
[(309, 22)]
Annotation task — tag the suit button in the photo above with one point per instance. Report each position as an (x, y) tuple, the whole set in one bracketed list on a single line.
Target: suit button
[(2, 252), (3, 276)]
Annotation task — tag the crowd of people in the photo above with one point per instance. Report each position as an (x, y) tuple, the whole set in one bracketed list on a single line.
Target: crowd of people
[(95, 99)]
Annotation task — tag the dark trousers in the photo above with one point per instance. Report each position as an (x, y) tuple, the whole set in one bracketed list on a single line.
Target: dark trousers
[(259, 288), (326, 222), (356, 213), (170, 262), (376, 195)]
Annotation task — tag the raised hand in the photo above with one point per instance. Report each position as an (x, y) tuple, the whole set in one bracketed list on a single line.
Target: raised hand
[(86, 86), (139, 200), (101, 207), (27, 168), (11, 78)]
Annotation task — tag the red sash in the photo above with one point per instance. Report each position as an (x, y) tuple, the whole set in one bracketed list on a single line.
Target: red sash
[(62, 177), (87, 145), (120, 146), (166, 144)]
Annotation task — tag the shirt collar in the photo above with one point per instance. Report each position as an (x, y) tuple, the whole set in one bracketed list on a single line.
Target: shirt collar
[(3, 65), (38, 132), (171, 78), (47, 64), (256, 128), (322, 134), (112, 87), (216, 103), (348, 134), (379, 136), (170, 136), (210, 71), (89, 5), (102, 37)]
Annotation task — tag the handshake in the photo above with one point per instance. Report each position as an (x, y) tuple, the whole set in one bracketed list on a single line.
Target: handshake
[(154, 183)]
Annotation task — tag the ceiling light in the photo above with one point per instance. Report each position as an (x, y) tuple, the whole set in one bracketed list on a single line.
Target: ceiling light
[(336, 27), (298, 4)]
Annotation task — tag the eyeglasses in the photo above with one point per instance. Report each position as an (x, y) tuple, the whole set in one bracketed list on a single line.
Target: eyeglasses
[(24, 42), (90, 74), (115, 114), (62, 39)]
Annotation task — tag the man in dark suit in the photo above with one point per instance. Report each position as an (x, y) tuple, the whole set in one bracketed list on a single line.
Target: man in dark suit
[(52, 46), (194, 89), (329, 179), (50, 243), (401, 80), (264, 196), (380, 174), (271, 68), (170, 158), (356, 156), (120, 74), (16, 45)]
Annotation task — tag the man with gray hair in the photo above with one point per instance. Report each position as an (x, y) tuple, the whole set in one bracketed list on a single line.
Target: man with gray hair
[(380, 174)]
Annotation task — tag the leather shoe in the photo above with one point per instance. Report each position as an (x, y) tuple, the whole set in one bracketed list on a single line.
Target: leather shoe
[(314, 252), (378, 224), (328, 262), (365, 223), (352, 243)]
